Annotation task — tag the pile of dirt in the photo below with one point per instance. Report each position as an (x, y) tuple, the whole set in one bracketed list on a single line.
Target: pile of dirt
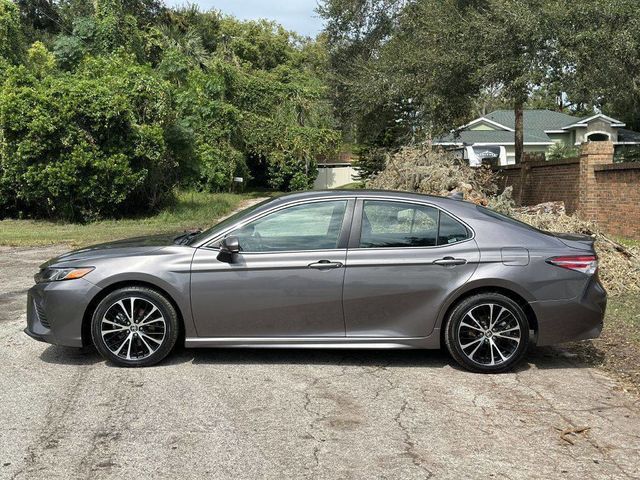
[(436, 172)]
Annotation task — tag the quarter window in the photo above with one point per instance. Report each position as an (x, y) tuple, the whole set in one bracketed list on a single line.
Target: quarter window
[(312, 226), (451, 230), (395, 224)]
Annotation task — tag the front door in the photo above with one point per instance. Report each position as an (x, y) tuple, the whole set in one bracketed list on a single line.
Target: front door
[(285, 282), (403, 262)]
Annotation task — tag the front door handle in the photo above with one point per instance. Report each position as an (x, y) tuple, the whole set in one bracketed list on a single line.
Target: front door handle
[(450, 261), (324, 264)]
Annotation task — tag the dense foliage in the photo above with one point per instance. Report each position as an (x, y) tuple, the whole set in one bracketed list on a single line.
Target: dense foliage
[(106, 106), (407, 69)]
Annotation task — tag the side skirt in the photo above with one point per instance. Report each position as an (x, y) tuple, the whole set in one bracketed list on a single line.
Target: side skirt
[(430, 342)]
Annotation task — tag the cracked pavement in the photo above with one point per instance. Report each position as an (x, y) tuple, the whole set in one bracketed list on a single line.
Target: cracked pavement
[(65, 413)]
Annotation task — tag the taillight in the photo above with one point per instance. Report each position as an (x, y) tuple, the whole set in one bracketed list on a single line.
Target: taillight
[(580, 263)]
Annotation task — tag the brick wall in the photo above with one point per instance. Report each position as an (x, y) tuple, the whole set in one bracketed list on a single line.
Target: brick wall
[(591, 185), (542, 181), (617, 198)]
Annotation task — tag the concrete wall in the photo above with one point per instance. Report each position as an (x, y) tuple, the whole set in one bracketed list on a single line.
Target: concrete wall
[(532, 149), (334, 176)]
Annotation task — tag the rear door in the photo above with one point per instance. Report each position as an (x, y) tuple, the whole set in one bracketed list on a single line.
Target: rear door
[(403, 261)]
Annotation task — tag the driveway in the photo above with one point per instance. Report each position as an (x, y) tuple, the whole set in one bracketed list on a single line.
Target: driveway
[(298, 414)]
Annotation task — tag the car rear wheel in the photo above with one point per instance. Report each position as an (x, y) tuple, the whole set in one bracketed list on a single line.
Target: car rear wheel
[(487, 333), (134, 327)]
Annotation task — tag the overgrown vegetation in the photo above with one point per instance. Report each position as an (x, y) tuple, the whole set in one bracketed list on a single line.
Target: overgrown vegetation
[(106, 106)]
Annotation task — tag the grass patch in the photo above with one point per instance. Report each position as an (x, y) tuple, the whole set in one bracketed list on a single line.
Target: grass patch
[(627, 242), (351, 186), (618, 348), (191, 210)]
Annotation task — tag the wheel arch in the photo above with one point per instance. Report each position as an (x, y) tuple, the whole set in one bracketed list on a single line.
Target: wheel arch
[(93, 304), (511, 293)]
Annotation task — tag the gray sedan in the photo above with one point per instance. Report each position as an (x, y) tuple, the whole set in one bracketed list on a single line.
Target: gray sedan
[(338, 269)]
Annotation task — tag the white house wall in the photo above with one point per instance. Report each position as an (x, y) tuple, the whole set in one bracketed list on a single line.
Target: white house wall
[(332, 177)]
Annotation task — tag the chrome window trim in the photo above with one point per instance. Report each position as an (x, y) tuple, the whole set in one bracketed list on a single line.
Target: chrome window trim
[(206, 243), (414, 202)]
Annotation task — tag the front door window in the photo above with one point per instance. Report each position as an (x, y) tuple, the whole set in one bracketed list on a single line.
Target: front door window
[(312, 226)]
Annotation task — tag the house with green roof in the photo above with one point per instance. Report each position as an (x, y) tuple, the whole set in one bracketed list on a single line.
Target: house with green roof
[(491, 138)]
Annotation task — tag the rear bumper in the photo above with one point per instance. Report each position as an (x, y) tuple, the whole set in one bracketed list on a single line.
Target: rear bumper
[(55, 311), (569, 320)]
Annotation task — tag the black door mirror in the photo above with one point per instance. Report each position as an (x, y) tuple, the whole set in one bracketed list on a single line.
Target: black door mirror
[(230, 245)]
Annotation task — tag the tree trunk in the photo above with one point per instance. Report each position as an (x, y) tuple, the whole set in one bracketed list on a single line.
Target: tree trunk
[(519, 134)]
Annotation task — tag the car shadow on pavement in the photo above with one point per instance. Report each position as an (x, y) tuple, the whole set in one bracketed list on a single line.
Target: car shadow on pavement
[(539, 357), (59, 355)]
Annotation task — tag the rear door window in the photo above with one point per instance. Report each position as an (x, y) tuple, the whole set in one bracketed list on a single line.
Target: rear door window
[(388, 224)]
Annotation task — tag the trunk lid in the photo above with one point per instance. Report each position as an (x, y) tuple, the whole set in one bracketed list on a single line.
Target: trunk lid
[(575, 240)]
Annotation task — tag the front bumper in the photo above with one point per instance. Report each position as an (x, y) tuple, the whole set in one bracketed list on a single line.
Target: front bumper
[(569, 320), (55, 311)]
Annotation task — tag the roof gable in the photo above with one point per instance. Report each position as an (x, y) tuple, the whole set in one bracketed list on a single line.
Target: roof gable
[(583, 122), (484, 123)]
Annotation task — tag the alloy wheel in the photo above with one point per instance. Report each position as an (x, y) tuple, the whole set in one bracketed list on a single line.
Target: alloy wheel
[(133, 328), (489, 334)]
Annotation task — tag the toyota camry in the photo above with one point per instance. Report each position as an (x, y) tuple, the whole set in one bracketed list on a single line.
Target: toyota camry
[(334, 269)]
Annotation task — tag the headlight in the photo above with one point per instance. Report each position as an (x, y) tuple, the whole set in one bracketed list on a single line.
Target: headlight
[(55, 274)]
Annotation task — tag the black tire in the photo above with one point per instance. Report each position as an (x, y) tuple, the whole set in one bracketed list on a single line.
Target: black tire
[(162, 327), (493, 353)]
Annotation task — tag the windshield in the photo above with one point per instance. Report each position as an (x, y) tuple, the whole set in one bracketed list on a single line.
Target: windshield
[(227, 221), (506, 218)]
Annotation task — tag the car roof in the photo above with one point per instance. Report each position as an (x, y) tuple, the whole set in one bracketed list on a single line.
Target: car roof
[(391, 194)]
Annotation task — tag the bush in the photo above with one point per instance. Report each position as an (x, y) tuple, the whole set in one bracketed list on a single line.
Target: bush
[(560, 151), (87, 145), (291, 175), (371, 161)]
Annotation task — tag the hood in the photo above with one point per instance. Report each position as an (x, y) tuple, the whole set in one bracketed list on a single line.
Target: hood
[(575, 240), (118, 248)]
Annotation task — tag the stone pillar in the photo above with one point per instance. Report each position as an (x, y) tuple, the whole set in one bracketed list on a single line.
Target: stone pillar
[(591, 154)]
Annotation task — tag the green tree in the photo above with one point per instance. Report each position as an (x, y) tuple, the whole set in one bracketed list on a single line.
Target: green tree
[(40, 60), (85, 145), (408, 69), (11, 36)]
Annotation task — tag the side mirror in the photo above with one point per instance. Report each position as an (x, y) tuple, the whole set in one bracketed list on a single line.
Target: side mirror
[(230, 245)]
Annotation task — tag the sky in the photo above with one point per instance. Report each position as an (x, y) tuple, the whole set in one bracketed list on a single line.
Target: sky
[(297, 15)]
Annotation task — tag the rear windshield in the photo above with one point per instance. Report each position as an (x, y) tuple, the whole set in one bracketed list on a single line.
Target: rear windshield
[(506, 218)]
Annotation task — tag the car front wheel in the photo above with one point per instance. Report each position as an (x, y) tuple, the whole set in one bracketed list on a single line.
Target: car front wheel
[(487, 333), (134, 327)]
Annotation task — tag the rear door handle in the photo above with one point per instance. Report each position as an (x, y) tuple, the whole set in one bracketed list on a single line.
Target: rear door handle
[(324, 264), (450, 261)]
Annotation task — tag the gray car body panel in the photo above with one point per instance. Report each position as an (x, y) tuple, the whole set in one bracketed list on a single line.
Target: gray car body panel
[(378, 298)]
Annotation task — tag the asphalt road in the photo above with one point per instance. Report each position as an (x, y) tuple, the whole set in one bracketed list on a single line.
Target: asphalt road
[(298, 414)]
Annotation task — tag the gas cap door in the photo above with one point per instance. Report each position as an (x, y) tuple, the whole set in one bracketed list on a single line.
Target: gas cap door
[(515, 256)]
